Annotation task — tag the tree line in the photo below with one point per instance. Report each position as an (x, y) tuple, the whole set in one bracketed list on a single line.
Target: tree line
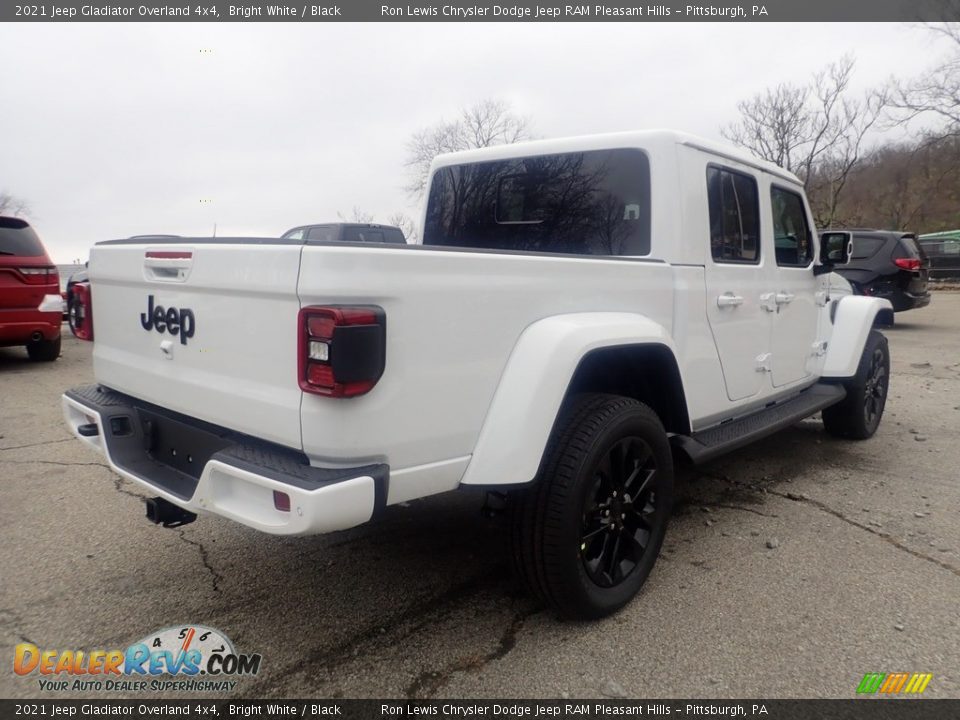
[(839, 143)]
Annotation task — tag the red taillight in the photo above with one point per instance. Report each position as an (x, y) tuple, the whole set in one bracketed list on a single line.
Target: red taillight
[(341, 350), (40, 275), (81, 312), (908, 263)]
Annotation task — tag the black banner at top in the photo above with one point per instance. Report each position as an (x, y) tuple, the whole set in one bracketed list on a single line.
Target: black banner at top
[(862, 709), (482, 11)]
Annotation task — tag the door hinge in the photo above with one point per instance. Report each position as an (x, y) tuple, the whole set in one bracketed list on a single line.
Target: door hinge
[(763, 362), (820, 348), (768, 301), (822, 297)]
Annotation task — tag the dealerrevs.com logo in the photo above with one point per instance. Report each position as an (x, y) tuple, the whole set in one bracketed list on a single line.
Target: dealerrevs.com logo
[(191, 658)]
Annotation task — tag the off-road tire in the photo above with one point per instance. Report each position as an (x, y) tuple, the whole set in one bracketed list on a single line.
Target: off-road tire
[(44, 350), (858, 415), (553, 522)]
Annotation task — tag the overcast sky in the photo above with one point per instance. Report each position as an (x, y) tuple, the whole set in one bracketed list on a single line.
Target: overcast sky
[(109, 130)]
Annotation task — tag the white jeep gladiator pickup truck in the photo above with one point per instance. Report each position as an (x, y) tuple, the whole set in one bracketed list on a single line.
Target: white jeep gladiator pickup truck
[(580, 314)]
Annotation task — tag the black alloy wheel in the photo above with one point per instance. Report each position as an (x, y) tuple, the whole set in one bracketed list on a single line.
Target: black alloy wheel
[(620, 512), (875, 390), (586, 533), (858, 415)]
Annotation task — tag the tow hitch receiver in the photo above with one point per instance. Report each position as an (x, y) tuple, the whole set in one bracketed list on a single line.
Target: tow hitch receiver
[(163, 512)]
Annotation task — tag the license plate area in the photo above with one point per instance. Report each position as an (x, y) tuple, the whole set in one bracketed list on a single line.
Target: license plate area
[(182, 447)]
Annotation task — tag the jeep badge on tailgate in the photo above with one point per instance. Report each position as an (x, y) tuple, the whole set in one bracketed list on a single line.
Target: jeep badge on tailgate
[(171, 320)]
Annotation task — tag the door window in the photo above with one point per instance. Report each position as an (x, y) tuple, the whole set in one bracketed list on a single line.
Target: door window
[(791, 233), (734, 216)]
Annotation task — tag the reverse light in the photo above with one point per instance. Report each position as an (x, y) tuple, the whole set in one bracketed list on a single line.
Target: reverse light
[(319, 350), (342, 350), (908, 263)]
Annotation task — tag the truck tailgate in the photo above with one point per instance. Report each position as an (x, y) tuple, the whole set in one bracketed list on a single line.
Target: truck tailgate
[(204, 329)]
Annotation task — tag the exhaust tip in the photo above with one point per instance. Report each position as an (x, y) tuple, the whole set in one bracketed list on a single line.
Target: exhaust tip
[(37, 336)]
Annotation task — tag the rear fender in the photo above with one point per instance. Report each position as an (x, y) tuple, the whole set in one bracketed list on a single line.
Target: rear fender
[(535, 381), (853, 319)]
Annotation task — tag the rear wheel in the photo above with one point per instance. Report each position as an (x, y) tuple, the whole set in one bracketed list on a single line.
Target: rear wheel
[(858, 415), (587, 533), (44, 350), (74, 313)]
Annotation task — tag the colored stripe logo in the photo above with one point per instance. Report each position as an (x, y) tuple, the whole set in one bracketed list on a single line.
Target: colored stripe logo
[(894, 683)]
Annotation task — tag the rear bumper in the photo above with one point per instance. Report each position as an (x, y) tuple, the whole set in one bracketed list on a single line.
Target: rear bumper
[(207, 469), (904, 300), (17, 326)]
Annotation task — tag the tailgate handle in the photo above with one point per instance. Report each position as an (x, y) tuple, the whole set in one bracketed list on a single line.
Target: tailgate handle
[(167, 265)]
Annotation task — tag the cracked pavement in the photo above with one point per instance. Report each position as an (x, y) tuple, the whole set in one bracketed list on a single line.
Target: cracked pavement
[(791, 567)]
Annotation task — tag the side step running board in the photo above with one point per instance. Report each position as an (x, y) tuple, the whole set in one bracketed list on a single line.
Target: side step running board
[(713, 442)]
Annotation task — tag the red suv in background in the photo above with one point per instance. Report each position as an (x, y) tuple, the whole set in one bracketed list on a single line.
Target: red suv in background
[(31, 308)]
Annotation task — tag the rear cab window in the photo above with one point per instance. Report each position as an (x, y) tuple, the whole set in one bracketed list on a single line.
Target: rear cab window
[(373, 235), (18, 239), (586, 203), (322, 233)]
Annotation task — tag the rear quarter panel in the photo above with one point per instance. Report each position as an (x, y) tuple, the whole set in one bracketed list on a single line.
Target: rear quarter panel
[(453, 320)]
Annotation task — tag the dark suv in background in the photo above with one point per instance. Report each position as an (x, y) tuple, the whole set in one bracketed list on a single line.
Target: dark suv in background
[(347, 232), (31, 308), (888, 264)]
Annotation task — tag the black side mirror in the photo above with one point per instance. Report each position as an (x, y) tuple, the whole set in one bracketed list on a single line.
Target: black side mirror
[(836, 247)]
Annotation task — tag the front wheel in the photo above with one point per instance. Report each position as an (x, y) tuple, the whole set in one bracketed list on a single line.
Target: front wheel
[(858, 415), (587, 533)]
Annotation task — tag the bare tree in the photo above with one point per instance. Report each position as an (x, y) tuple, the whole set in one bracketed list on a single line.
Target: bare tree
[(357, 215), (937, 92), (12, 205), (911, 185), (485, 123), (406, 224), (817, 131)]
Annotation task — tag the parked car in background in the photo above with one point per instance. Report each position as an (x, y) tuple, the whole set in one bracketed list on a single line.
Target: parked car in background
[(31, 307), (71, 295), (888, 264), (347, 232), (943, 250)]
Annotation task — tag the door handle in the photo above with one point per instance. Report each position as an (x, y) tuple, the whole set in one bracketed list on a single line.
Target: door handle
[(784, 298), (728, 299)]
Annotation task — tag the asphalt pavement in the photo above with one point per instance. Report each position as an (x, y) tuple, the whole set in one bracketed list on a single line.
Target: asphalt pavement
[(791, 568)]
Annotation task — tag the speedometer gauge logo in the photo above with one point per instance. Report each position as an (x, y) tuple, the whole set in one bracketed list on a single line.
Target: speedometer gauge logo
[(188, 650)]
